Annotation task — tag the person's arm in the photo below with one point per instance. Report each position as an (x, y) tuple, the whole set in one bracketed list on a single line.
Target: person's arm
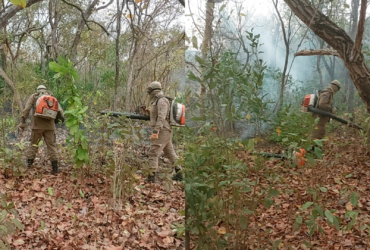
[(60, 116), (28, 107), (163, 106), (325, 100)]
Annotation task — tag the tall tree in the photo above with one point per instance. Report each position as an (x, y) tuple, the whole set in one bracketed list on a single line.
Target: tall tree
[(206, 45), (343, 46)]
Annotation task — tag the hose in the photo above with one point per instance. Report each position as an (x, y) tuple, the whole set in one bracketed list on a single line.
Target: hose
[(328, 114), (127, 115)]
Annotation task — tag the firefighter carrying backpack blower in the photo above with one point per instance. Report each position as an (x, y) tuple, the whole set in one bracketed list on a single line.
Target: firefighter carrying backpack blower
[(47, 111), (323, 101)]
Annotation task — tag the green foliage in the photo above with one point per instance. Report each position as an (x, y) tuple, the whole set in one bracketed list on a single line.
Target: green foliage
[(235, 90), (291, 125), (76, 110), (219, 188), (9, 221)]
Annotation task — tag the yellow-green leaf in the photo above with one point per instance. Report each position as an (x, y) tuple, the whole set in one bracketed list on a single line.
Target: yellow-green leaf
[(20, 3)]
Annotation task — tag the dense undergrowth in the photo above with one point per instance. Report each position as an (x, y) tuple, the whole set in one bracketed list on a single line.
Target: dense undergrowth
[(238, 199)]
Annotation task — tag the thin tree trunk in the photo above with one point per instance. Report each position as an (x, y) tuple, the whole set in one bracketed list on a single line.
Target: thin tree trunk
[(206, 45), (80, 27), (321, 42), (284, 77), (130, 78), (117, 97), (54, 20), (14, 89), (352, 33)]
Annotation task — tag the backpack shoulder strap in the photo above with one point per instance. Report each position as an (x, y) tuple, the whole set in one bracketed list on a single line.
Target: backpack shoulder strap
[(160, 97)]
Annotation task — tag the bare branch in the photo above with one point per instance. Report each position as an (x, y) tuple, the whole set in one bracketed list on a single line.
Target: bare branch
[(360, 29), (104, 6), (86, 21), (317, 52), (192, 64)]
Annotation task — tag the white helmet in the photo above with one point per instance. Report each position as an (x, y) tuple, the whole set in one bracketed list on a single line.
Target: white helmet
[(40, 87), (153, 86)]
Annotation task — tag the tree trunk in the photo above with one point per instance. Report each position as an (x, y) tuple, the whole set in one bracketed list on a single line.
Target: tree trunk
[(117, 97), (53, 21), (2, 57), (352, 33), (130, 77), (206, 44), (339, 40), (80, 27), (12, 86), (321, 43), (284, 77)]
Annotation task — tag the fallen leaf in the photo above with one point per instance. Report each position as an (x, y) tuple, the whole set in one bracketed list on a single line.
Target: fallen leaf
[(349, 206), (222, 230)]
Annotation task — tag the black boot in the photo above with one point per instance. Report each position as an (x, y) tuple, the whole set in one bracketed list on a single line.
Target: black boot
[(54, 164), (151, 177), (29, 162), (178, 175)]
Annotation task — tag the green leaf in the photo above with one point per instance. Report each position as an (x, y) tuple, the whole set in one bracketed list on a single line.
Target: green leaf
[(243, 222), (354, 198), (18, 224), (3, 230), (246, 190), (82, 193), (199, 60), (318, 142), (319, 209), (223, 183), (20, 3), (83, 110), (299, 219), (323, 189), (42, 226), (336, 223), (306, 205), (273, 193), (268, 203), (318, 152), (50, 191), (3, 214), (222, 7), (276, 245), (195, 42), (329, 216)]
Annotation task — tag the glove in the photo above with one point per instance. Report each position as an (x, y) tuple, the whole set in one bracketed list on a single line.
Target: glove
[(22, 126), (154, 135)]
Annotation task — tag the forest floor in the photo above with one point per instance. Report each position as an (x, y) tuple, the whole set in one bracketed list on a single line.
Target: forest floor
[(78, 212), (345, 168)]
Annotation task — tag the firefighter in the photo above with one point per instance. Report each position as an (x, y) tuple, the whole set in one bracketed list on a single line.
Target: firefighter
[(41, 128), (325, 103), (161, 137)]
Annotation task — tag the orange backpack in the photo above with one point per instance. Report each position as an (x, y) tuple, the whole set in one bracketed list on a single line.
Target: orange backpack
[(47, 107)]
